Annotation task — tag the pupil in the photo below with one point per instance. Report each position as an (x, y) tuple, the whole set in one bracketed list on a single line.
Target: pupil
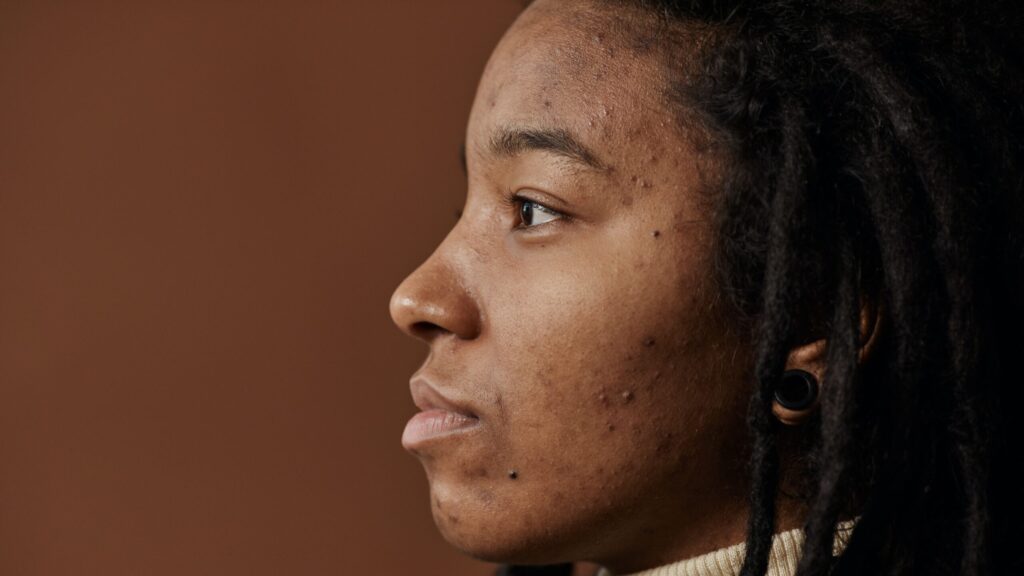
[(526, 213)]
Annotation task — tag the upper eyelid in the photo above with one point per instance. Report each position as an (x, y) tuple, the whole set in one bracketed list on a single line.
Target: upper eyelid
[(518, 199), (543, 207)]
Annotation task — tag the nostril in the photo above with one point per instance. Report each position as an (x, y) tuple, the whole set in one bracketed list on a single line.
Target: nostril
[(425, 330)]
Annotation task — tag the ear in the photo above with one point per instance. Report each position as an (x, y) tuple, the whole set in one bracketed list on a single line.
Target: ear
[(811, 357)]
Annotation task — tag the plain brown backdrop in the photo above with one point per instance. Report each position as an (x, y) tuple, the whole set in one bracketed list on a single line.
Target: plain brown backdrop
[(204, 208)]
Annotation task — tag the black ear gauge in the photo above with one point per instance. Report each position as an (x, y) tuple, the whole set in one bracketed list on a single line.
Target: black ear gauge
[(797, 390)]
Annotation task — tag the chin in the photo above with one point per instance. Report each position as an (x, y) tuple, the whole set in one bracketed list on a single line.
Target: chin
[(488, 530)]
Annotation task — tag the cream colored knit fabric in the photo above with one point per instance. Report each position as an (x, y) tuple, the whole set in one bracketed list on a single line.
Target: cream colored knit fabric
[(784, 556)]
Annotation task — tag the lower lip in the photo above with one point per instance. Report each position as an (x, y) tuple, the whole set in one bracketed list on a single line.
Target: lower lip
[(433, 424)]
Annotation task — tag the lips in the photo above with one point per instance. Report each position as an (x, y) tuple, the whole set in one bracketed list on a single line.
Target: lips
[(440, 417)]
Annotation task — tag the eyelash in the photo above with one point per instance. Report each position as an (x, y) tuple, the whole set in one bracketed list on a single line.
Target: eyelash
[(517, 203)]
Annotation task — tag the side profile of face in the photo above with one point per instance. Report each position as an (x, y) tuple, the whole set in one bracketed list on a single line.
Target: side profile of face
[(584, 395)]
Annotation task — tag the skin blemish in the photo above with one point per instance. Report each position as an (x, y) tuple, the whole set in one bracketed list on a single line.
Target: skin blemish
[(627, 396), (603, 398), (649, 342), (665, 443), (611, 427), (513, 475), (656, 233), (499, 403)]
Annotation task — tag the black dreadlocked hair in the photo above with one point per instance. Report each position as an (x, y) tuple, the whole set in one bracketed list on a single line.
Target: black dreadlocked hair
[(875, 154)]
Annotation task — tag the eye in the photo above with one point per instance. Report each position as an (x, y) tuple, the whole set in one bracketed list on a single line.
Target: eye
[(533, 214)]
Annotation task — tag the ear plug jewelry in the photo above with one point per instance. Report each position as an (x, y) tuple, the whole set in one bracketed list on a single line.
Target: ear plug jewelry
[(797, 390)]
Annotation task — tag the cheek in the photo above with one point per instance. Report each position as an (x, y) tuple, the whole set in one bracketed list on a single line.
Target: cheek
[(592, 375), (602, 368)]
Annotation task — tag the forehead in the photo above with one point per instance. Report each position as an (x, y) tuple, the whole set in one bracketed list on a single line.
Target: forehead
[(599, 72)]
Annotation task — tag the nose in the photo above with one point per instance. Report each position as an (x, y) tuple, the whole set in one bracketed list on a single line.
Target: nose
[(434, 301)]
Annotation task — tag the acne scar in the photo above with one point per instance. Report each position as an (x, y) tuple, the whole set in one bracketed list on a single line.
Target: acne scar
[(512, 474), (627, 396)]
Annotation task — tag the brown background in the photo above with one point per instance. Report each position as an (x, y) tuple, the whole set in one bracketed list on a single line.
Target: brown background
[(204, 208)]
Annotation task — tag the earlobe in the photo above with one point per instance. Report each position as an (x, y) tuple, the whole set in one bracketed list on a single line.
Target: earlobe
[(796, 397)]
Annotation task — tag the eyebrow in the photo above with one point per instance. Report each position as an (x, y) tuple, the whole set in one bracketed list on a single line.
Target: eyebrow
[(508, 142)]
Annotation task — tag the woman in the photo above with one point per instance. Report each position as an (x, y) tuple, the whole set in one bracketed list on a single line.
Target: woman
[(729, 270)]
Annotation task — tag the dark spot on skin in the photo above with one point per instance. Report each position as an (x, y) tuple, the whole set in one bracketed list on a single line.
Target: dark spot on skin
[(547, 103), (665, 443), (656, 233), (611, 427), (499, 403), (627, 200), (627, 396), (603, 398), (453, 519), (649, 342), (512, 474)]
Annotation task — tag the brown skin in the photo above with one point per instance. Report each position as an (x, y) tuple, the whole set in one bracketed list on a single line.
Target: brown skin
[(594, 346)]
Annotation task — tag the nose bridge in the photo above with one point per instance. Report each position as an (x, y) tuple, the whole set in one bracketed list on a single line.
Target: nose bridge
[(435, 299)]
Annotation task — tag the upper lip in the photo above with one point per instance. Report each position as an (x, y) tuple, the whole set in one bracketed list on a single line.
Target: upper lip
[(426, 397)]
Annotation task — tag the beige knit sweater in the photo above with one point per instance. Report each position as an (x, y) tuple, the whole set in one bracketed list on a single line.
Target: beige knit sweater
[(785, 554)]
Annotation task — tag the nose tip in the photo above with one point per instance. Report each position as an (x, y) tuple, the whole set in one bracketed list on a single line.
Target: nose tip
[(431, 302)]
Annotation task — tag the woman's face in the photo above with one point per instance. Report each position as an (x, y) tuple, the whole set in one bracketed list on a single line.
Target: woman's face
[(584, 397)]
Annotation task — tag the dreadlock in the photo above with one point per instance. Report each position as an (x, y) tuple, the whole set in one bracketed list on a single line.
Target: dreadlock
[(874, 152)]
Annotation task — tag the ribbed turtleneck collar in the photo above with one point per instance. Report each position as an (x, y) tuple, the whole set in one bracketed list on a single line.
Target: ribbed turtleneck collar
[(785, 553)]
